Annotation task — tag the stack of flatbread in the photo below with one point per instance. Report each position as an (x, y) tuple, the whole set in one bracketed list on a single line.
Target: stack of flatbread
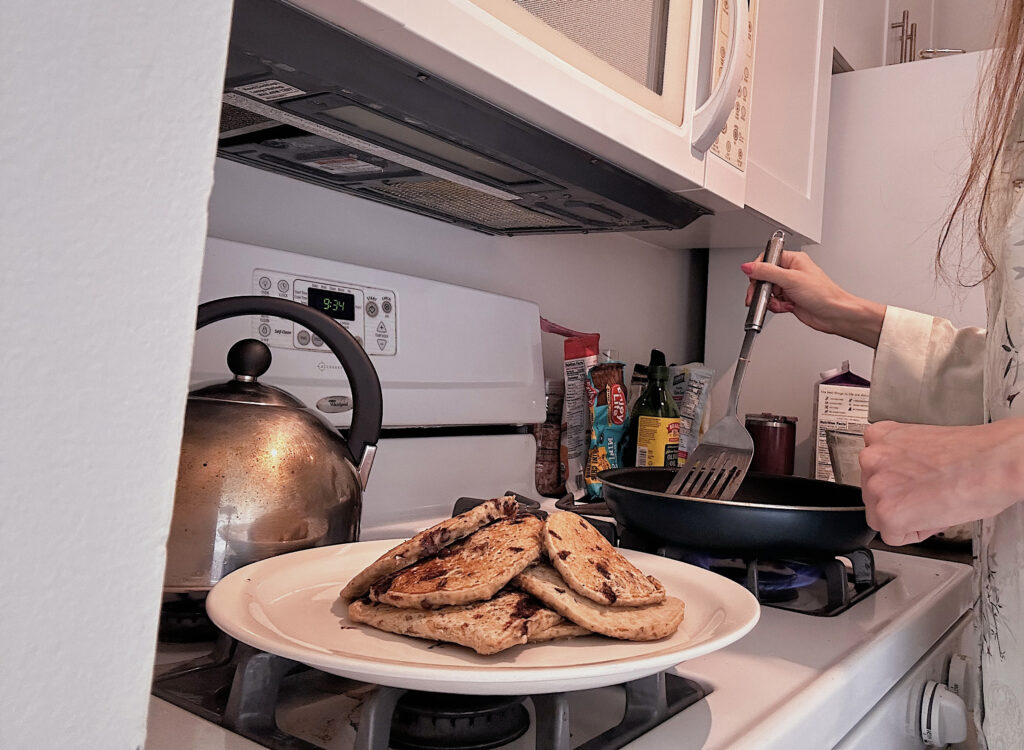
[(495, 577)]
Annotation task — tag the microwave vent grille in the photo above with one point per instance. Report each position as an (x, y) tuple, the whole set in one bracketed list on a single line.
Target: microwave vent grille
[(467, 204), (237, 121)]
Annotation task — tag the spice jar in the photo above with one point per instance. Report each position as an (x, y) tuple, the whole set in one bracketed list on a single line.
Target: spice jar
[(774, 442), (548, 473)]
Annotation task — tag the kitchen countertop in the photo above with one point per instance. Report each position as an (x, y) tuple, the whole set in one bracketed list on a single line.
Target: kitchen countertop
[(172, 728)]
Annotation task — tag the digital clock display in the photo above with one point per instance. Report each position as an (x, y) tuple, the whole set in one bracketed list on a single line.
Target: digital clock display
[(338, 305)]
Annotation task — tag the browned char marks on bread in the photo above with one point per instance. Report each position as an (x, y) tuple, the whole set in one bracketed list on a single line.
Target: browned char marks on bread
[(509, 619), (429, 542), (562, 630), (645, 623), (593, 568), (471, 569)]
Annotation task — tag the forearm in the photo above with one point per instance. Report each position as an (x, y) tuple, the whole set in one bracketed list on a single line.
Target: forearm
[(859, 320)]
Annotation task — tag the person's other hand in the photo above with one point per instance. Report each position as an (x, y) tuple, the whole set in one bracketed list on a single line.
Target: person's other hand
[(917, 480), (803, 289)]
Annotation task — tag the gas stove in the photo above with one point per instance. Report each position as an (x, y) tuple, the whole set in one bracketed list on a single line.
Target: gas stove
[(459, 389), (798, 680)]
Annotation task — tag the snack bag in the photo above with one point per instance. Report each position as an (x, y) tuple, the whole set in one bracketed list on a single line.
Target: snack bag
[(609, 413), (580, 355), (691, 387)]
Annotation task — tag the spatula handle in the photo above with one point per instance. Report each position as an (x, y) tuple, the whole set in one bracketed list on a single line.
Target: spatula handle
[(763, 290)]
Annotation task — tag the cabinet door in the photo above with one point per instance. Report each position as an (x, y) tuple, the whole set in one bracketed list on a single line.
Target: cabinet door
[(789, 113)]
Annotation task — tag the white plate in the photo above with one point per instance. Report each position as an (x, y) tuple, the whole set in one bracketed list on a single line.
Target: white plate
[(289, 606)]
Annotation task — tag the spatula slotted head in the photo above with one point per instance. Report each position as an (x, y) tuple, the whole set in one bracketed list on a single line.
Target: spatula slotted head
[(716, 469)]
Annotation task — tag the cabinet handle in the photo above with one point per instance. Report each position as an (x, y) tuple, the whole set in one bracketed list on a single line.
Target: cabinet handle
[(928, 54), (711, 116), (904, 27)]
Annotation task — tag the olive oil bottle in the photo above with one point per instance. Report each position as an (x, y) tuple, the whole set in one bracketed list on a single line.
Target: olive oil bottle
[(654, 424)]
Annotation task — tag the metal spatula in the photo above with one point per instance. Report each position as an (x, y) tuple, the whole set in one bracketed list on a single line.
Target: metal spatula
[(716, 469)]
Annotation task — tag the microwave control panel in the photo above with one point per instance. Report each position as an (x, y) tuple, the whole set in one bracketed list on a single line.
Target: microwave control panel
[(369, 314)]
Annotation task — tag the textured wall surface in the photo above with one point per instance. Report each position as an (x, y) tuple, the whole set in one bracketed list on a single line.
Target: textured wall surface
[(106, 162)]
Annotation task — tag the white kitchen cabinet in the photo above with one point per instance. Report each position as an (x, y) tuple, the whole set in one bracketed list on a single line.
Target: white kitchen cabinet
[(789, 113), (785, 172)]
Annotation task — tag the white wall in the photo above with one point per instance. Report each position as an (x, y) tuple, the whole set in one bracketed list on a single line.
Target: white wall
[(861, 29), (965, 24), (635, 294), (106, 154), (897, 150)]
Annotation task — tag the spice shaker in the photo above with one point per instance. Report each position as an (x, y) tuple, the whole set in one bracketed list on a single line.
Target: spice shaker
[(548, 472)]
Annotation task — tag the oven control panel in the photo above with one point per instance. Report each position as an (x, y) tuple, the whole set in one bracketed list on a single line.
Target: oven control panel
[(368, 313)]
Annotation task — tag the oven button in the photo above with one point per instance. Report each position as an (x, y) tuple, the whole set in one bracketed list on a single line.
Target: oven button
[(371, 309), (317, 341), (943, 716), (303, 338), (386, 306), (264, 283)]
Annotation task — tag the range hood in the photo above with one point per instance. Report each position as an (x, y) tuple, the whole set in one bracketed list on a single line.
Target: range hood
[(307, 99)]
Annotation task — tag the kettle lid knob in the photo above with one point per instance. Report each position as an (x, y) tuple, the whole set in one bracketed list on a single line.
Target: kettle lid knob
[(248, 359)]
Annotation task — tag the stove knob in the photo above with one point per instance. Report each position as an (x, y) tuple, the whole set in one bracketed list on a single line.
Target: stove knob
[(943, 716)]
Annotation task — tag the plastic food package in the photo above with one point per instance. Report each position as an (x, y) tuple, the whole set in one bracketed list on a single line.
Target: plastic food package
[(606, 393), (691, 389), (581, 354)]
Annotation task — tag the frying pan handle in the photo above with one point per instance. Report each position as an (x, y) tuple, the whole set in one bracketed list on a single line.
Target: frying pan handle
[(763, 290)]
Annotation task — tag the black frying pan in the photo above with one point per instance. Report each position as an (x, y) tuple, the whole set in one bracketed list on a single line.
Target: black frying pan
[(769, 516)]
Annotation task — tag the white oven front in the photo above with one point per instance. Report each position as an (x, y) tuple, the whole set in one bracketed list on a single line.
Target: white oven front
[(909, 711)]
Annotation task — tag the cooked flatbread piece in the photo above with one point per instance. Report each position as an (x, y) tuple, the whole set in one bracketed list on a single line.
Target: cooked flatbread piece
[(429, 541), (563, 629), (593, 567), (470, 570), (509, 619), (647, 623)]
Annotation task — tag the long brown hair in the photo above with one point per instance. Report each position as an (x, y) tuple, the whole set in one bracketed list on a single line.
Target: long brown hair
[(998, 97)]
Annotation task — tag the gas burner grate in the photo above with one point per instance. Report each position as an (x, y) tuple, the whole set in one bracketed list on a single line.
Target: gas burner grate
[(440, 721), (649, 702), (183, 619), (241, 688), (820, 586)]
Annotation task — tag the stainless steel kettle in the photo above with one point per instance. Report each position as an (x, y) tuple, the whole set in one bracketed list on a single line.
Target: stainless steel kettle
[(260, 474)]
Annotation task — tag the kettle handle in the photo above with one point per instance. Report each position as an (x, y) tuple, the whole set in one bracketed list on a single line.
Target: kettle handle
[(368, 410)]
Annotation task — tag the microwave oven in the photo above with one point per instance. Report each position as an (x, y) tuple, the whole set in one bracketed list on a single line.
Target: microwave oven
[(504, 116)]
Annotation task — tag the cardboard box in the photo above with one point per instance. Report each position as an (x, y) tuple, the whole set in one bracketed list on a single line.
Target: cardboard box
[(840, 403)]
